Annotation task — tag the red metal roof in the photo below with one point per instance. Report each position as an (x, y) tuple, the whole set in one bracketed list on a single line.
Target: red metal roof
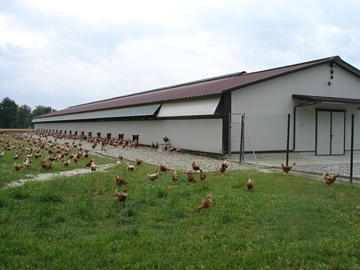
[(210, 86)]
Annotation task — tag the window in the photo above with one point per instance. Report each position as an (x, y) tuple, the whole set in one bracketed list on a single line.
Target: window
[(108, 136), (136, 137), (121, 136)]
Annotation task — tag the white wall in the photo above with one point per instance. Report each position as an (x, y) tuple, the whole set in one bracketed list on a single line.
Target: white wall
[(193, 134), (274, 98)]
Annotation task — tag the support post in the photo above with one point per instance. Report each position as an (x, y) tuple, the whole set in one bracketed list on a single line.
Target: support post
[(288, 140), (352, 148), (229, 139), (241, 154)]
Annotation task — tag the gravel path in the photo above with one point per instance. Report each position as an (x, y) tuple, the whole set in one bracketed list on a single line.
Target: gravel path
[(174, 160), (49, 176), (340, 168), (182, 162)]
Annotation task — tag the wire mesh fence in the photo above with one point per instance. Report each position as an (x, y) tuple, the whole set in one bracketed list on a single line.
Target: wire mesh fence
[(329, 142)]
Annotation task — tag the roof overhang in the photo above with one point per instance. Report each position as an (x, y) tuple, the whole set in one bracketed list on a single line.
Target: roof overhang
[(322, 99), (134, 111)]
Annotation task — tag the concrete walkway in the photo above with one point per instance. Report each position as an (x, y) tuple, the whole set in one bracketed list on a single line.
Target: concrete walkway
[(307, 164), (302, 158)]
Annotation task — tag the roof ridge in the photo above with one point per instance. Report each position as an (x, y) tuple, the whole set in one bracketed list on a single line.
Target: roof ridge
[(297, 64)]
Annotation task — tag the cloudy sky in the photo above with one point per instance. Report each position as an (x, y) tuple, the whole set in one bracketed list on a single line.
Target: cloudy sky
[(69, 52)]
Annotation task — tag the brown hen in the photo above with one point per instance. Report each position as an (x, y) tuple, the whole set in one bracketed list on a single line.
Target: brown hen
[(195, 166), (206, 202), (287, 168), (17, 166), (329, 178), (191, 177), (163, 168), (250, 184), (120, 181), (154, 176), (138, 161), (121, 196), (130, 167), (175, 176), (202, 175)]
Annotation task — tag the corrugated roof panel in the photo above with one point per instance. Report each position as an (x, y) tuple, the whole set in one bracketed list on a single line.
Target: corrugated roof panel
[(122, 112), (205, 106)]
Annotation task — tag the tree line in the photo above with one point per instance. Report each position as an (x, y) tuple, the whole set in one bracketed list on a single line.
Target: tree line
[(13, 115)]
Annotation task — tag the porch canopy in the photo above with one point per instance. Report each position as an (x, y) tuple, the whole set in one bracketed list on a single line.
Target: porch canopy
[(326, 99)]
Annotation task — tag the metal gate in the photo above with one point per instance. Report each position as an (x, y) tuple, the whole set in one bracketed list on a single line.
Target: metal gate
[(236, 131)]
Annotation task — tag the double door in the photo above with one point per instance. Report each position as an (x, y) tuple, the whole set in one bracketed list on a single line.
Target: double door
[(330, 132)]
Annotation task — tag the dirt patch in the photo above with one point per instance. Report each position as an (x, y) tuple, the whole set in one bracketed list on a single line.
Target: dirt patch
[(49, 176)]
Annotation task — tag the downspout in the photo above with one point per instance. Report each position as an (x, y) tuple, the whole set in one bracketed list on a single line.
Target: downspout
[(306, 103), (226, 99)]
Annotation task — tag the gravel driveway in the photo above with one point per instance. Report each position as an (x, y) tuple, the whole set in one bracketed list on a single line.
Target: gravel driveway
[(182, 162)]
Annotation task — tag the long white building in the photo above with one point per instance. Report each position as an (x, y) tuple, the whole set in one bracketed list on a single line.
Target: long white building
[(204, 116)]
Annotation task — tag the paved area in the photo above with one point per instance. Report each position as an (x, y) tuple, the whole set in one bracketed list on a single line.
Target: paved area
[(303, 158), (307, 163)]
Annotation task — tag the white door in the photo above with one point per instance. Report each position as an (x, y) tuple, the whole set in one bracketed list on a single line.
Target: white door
[(323, 131), (337, 133), (330, 132)]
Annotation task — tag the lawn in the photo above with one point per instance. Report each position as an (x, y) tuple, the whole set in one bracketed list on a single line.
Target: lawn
[(285, 222)]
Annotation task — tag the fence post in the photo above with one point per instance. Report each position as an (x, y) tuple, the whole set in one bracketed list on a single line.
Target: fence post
[(288, 140), (229, 143), (352, 148), (241, 154)]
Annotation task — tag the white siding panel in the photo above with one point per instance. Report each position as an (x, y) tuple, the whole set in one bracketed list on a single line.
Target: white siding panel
[(204, 135)]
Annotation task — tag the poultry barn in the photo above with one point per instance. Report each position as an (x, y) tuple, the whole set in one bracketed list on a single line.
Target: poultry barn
[(207, 115)]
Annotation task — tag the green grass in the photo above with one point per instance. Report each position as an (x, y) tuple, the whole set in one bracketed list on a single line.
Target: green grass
[(285, 222)]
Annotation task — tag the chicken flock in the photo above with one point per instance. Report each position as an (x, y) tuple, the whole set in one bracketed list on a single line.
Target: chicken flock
[(49, 153)]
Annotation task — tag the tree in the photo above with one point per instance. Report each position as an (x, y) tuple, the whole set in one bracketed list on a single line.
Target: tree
[(8, 113), (23, 117), (40, 109)]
